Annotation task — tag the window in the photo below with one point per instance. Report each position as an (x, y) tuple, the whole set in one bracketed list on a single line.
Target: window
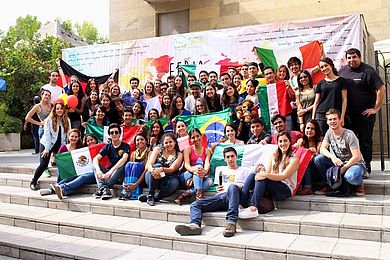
[(173, 23)]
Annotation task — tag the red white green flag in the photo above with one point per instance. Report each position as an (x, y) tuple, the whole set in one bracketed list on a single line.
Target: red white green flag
[(127, 136), (273, 100), (79, 161), (309, 54)]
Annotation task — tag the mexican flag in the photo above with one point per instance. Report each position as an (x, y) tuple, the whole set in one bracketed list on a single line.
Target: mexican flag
[(254, 154), (309, 54), (273, 100), (79, 161), (211, 124), (127, 136)]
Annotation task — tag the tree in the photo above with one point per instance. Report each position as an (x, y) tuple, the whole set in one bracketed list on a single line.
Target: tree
[(66, 25), (88, 32), (25, 61)]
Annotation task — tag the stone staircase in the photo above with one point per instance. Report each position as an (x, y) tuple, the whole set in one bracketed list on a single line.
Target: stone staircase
[(82, 227)]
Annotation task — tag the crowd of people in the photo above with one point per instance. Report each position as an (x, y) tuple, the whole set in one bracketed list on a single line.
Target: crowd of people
[(333, 119)]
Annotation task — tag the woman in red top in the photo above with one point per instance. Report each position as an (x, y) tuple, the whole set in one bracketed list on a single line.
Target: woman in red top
[(197, 164)]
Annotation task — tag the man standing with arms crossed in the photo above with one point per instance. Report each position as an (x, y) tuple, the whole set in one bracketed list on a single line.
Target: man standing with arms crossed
[(365, 96)]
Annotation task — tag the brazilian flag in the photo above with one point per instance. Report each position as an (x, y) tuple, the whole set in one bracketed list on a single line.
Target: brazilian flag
[(211, 124)]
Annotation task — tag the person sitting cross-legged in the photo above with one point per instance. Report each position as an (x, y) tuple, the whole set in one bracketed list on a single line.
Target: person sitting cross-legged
[(228, 198), (118, 153)]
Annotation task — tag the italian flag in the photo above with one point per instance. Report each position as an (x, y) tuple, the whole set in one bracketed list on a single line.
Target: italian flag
[(254, 154), (273, 100), (127, 136), (309, 54), (79, 161)]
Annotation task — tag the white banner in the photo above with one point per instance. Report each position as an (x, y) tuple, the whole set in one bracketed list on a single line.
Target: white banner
[(159, 57)]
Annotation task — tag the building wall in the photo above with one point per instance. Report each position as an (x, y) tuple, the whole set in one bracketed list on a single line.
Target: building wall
[(135, 19)]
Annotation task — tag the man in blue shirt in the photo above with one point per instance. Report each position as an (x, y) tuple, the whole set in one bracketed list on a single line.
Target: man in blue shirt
[(118, 154)]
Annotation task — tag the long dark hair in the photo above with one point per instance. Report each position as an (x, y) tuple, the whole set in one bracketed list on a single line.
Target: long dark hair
[(233, 126), (173, 138), (181, 90), (174, 110), (330, 62), (226, 99), (80, 94), (194, 130), (317, 135), (155, 110), (159, 135), (214, 102), (141, 113), (300, 85), (88, 87), (279, 155)]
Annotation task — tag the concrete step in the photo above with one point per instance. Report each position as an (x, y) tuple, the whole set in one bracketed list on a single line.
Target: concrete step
[(369, 204), (377, 184), (48, 223), (22, 243), (292, 221)]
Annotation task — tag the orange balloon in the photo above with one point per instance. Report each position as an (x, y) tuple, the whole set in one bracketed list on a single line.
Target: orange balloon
[(72, 101)]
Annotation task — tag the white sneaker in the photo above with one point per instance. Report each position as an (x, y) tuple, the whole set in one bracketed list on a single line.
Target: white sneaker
[(247, 213)]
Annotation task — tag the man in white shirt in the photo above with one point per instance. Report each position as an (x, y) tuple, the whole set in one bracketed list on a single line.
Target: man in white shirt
[(191, 99), (55, 90), (228, 198)]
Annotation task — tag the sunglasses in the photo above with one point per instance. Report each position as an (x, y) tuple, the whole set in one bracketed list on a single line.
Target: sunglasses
[(114, 132)]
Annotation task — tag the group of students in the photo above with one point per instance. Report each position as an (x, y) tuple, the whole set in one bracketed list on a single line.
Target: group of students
[(160, 164)]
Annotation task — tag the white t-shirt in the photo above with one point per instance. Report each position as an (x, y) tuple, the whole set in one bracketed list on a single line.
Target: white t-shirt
[(56, 91), (230, 176)]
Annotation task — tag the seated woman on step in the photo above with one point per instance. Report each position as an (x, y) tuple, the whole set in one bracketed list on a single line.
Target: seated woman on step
[(197, 164), (278, 178)]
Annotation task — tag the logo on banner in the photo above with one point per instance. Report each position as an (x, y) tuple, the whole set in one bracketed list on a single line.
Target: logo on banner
[(82, 161)]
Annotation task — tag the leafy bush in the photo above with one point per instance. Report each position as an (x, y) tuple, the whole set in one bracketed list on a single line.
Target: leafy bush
[(9, 124)]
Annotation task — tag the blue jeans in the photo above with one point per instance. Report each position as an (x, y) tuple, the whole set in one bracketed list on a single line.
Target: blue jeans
[(133, 171), (115, 178), (310, 175), (229, 201), (71, 184), (276, 190), (35, 135), (168, 184), (353, 175), (199, 183)]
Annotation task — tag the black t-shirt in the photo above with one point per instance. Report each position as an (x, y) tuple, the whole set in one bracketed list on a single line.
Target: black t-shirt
[(330, 94), (362, 85), (115, 154)]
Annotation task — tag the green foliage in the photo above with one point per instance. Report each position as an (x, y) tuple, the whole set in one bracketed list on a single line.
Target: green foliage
[(88, 32), (66, 25), (25, 61), (9, 124)]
